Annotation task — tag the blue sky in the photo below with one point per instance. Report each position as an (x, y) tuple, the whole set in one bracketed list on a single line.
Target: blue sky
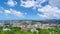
[(29, 9)]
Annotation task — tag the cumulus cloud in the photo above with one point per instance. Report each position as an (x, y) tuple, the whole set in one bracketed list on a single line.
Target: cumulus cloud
[(14, 12), (32, 3), (27, 3), (11, 3), (7, 11), (49, 12), (55, 3)]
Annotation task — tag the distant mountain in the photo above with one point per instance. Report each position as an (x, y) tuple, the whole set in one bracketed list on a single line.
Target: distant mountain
[(41, 21), (52, 21)]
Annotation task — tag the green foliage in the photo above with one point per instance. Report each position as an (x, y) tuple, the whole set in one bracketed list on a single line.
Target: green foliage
[(17, 30), (1, 28)]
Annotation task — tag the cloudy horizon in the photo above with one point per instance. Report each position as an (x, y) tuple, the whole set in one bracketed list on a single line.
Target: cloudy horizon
[(29, 9)]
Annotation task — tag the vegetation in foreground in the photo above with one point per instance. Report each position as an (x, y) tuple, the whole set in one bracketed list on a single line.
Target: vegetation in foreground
[(16, 30)]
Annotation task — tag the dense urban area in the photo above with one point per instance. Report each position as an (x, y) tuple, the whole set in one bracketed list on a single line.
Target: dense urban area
[(29, 27)]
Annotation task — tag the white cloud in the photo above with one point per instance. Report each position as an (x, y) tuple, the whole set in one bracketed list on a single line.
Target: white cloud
[(49, 12), (43, 16), (11, 3), (14, 12), (55, 3), (32, 3), (28, 3), (7, 11)]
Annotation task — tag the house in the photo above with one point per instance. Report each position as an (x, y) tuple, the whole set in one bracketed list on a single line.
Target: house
[(52, 25), (45, 26)]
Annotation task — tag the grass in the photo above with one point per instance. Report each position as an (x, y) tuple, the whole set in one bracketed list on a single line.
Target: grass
[(16, 30)]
